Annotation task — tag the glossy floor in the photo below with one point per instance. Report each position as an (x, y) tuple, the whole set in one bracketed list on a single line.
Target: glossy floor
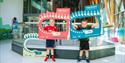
[(8, 56)]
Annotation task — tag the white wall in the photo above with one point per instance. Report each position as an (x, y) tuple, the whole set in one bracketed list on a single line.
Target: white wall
[(10, 9)]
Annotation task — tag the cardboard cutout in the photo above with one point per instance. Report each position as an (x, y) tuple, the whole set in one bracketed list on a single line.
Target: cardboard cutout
[(61, 14), (88, 12)]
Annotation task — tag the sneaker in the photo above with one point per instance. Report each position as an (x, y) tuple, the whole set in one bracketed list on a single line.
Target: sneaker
[(53, 58), (79, 59), (46, 58), (87, 60)]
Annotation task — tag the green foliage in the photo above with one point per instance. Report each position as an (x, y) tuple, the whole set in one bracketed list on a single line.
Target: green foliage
[(5, 31)]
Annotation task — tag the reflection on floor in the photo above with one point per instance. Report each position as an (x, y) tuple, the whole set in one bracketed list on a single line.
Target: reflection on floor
[(8, 56)]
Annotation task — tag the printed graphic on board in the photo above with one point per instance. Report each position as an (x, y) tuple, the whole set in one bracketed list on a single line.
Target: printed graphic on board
[(54, 25), (85, 23)]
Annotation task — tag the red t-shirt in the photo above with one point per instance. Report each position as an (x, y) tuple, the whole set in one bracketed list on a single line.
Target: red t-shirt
[(50, 28)]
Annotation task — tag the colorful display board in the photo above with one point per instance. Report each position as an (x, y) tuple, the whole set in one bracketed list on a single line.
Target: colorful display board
[(29, 52), (61, 14), (88, 12)]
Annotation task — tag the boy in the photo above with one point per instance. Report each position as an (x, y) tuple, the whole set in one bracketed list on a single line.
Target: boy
[(50, 43), (84, 42)]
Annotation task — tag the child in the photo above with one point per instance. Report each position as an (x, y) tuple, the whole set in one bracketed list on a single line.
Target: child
[(84, 42), (50, 43)]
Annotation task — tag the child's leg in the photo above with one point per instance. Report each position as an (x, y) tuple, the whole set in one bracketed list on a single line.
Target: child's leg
[(47, 54), (81, 53), (52, 54), (52, 51), (87, 53), (87, 56), (47, 51)]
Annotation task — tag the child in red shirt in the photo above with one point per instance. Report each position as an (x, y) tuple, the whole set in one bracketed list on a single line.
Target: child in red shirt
[(50, 43)]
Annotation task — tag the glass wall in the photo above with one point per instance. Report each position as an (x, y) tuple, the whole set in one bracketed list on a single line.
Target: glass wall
[(29, 9), (120, 20)]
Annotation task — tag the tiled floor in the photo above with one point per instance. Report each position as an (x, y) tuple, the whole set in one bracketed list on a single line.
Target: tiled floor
[(8, 56)]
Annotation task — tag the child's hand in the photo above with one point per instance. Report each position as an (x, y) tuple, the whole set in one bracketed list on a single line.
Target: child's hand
[(49, 30), (74, 25), (55, 33)]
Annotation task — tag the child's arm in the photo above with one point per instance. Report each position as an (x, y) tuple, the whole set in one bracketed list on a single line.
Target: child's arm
[(75, 25), (46, 29), (96, 23)]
